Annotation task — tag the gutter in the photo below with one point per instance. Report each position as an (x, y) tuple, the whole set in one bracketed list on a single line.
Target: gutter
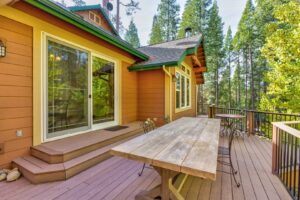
[(170, 91)]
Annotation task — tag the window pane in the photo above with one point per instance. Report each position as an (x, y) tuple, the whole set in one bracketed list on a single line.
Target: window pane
[(188, 92), (92, 16), (183, 91), (177, 81), (177, 99), (103, 90), (67, 88)]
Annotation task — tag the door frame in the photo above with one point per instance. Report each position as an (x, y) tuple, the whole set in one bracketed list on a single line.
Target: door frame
[(44, 83)]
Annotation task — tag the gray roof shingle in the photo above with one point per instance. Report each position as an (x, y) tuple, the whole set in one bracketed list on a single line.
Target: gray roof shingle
[(168, 52)]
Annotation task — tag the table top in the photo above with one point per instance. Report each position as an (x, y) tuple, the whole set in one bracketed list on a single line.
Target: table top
[(187, 145), (231, 116)]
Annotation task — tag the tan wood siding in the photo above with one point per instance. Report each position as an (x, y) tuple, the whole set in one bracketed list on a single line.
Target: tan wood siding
[(151, 98), (129, 89), (15, 90)]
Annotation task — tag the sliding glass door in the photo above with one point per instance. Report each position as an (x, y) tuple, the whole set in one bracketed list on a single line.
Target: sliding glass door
[(80, 90), (67, 89), (103, 84)]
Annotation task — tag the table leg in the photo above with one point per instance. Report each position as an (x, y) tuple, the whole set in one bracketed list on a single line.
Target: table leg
[(165, 191)]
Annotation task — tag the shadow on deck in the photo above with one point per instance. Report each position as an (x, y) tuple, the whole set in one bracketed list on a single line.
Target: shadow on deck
[(117, 178)]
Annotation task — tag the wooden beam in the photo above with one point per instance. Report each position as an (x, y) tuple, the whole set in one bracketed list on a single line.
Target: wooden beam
[(200, 69), (200, 80)]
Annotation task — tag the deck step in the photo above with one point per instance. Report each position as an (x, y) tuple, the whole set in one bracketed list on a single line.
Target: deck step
[(38, 171), (63, 150)]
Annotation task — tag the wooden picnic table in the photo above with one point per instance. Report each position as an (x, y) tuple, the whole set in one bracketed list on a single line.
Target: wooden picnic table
[(187, 145)]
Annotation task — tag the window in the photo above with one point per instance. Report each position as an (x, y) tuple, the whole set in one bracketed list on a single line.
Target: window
[(94, 18), (183, 88)]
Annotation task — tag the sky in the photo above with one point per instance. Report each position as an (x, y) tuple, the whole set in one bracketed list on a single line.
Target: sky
[(230, 11)]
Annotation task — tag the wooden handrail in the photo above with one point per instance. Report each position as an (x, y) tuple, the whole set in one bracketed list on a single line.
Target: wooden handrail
[(285, 161), (290, 130)]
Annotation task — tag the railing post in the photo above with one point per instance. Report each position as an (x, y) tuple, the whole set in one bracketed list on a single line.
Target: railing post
[(250, 122), (274, 149), (211, 111)]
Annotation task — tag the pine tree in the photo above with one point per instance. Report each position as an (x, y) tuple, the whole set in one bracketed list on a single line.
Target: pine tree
[(195, 16), (131, 35), (225, 84), (168, 19), (214, 53), (156, 35), (246, 43), (282, 53), (79, 2)]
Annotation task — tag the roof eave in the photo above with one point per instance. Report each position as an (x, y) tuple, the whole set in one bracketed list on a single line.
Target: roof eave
[(75, 20)]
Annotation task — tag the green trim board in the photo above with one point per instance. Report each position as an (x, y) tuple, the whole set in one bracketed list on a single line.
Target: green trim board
[(152, 66), (77, 21), (95, 7)]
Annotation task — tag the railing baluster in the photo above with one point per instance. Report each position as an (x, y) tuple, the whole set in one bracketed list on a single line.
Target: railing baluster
[(291, 161), (295, 167)]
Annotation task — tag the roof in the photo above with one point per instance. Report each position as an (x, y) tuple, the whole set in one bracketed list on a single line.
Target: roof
[(94, 7), (72, 18), (170, 53)]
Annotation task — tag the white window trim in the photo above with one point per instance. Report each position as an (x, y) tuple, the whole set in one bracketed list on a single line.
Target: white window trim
[(44, 84), (187, 76)]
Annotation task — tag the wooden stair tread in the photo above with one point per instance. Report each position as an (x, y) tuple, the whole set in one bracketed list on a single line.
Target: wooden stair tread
[(36, 165), (68, 145), (38, 171)]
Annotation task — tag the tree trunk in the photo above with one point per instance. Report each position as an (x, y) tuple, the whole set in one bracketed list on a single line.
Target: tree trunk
[(252, 78), (246, 79)]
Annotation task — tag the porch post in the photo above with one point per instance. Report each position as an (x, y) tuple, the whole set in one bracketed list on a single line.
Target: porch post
[(250, 122), (274, 149), (211, 111)]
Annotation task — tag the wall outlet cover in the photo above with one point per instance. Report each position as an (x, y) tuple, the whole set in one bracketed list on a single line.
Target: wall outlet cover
[(19, 133)]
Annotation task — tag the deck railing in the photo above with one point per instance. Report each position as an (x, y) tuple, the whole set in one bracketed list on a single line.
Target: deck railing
[(255, 122), (286, 155)]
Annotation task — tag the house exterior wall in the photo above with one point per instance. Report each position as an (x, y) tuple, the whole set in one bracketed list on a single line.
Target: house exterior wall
[(40, 22), (129, 85), (104, 23), (15, 90), (151, 95)]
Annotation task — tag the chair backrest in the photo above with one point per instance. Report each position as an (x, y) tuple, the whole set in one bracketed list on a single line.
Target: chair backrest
[(149, 125)]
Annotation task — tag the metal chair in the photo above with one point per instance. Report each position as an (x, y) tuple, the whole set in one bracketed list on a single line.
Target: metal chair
[(225, 152), (148, 125)]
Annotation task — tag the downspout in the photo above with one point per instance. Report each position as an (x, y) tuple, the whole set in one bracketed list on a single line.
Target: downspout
[(7, 2), (170, 92)]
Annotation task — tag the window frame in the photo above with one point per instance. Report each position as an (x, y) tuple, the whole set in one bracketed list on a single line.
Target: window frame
[(95, 17), (183, 71)]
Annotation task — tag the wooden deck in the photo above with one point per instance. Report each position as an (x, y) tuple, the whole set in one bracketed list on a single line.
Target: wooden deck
[(117, 178)]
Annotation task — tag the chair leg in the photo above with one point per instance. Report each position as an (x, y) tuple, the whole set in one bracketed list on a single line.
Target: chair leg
[(233, 170), (141, 172)]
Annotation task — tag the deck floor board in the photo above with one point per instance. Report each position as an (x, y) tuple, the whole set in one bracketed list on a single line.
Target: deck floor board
[(117, 179)]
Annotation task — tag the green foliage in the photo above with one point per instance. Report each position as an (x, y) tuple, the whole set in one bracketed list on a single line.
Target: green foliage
[(225, 83), (131, 35), (79, 2), (156, 35), (165, 23), (214, 53), (195, 16), (282, 53)]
